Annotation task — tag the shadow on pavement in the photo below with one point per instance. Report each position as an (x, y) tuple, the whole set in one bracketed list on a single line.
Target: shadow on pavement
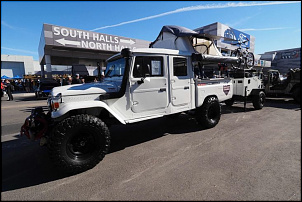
[(25, 163), (285, 103)]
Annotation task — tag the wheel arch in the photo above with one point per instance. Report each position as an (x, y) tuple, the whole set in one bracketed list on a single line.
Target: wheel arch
[(213, 95), (99, 109), (257, 91)]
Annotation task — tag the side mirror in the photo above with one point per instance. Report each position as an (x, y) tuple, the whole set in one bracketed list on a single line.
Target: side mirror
[(141, 81)]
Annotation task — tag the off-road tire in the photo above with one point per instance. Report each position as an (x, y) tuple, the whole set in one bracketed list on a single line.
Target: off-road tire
[(296, 95), (208, 115), (229, 102), (258, 100), (78, 143)]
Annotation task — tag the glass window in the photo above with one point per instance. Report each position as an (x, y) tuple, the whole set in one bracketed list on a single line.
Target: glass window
[(147, 66), (115, 68), (180, 66)]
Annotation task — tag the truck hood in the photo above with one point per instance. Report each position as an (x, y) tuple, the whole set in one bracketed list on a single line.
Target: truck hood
[(88, 88)]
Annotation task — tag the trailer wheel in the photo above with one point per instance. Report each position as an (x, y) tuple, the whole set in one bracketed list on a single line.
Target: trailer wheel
[(258, 100), (78, 143), (229, 102), (296, 94), (208, 115)]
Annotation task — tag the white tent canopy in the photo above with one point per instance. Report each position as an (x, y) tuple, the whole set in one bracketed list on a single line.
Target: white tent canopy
[(184, 39)]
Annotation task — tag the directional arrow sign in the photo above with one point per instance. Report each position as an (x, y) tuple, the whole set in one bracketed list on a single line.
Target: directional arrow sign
[(127, 41), (64, 42)]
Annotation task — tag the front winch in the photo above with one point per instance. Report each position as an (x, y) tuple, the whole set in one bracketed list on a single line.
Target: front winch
[(36, 125)]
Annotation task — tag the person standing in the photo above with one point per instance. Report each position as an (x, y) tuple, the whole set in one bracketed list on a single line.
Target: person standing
[(68, 82), (2, 89), (9, 89), (27, 86), (76, 80)]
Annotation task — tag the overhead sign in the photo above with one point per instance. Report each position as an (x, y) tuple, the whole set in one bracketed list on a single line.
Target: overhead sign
[(234, 36), (237, 36), (75, 38)]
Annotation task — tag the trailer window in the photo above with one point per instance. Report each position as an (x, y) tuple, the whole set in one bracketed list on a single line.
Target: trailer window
[(147, 66), (180, 67)]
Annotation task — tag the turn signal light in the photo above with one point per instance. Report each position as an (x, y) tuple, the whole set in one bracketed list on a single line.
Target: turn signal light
[(55, 105)]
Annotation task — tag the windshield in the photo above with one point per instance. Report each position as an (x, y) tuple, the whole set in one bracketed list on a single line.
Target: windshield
[(115, 68)]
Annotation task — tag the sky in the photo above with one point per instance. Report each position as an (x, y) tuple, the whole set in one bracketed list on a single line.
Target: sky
[(276, 25)]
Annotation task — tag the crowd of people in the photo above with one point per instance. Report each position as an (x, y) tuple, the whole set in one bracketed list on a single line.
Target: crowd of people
[(10, 85), (30, 85)]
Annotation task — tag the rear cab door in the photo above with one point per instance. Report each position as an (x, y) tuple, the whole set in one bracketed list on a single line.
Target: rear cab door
[(181, 83)]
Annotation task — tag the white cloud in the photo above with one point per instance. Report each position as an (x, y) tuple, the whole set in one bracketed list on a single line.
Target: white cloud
[(202, 7), (7, 25), (19, 50), (264, 29)]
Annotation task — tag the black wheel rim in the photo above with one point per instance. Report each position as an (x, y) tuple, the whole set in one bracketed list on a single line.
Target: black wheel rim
[(82, 145), (261, 99), (213, 113)]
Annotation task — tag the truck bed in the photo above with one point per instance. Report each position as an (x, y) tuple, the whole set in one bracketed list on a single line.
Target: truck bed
[(222, 88)]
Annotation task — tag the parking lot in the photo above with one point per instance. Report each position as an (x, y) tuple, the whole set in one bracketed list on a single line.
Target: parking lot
[(252, 155)]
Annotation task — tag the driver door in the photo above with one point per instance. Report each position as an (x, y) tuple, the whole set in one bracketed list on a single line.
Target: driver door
[(148, 86)]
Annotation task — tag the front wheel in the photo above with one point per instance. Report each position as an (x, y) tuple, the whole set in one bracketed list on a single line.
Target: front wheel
[(78, 143), (208, 115), (258, 100)]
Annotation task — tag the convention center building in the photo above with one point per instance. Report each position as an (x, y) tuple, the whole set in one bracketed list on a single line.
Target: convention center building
[(62, 48)]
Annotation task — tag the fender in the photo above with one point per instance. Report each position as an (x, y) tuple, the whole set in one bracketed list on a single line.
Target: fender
[(257, 91), (66, 107)]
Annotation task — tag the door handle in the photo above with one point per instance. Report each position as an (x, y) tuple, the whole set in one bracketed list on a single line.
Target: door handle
[(186, 87), (162, 89)]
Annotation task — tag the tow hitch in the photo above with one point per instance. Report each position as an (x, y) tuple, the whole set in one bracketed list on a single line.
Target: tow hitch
[(36, 125)]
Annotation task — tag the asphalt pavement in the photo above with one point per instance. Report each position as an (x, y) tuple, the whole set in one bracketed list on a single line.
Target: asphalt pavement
[(251, 156)]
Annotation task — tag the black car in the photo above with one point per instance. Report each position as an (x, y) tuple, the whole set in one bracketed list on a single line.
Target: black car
[(44, 87)]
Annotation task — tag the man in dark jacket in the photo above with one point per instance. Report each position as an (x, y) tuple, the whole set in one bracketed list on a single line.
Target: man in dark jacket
[(9, 88), (76, 80)]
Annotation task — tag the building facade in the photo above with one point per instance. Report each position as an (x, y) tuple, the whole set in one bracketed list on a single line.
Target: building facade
[(61, 47), (283, 60), (18, 65), (230, 36)]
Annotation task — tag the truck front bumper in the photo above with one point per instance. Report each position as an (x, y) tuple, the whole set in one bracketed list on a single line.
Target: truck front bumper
[(36, 125)]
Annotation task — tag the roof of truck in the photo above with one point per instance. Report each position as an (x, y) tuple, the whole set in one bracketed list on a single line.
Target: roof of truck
[(155, 51), (160, 51)]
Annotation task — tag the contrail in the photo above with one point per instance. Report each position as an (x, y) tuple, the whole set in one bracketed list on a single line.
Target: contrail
[(264, 29), (19, 50), (202, 7)]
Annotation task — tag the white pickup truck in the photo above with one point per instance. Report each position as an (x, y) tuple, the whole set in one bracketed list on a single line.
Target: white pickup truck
[(139, 85)]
